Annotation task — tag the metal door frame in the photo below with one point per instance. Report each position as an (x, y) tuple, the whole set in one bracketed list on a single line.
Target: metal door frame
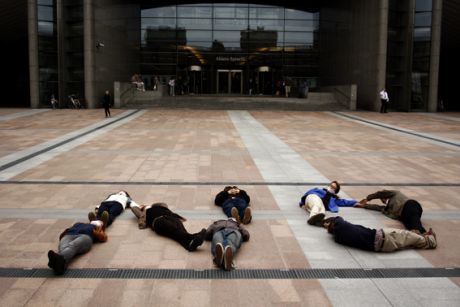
[(229, 71)]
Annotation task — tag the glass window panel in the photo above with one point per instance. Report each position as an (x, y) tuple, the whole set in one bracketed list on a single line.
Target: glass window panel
[(45, 28), (299, 37), (45, 2), (194, 12), (200, 45), (266, 13), (156, 23), (296, 14), (230, 12), (230, 24), (199, 35), (423, 5), (195, 23), (422, 34), (45, 13), (422, 19), (169, 11), (266, 24), (227, 36), (301, 25)]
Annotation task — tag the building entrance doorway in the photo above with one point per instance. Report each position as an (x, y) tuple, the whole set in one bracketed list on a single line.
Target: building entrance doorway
[(229, 81)]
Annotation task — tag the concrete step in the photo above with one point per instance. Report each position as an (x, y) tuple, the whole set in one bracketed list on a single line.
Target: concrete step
[(314, 102)]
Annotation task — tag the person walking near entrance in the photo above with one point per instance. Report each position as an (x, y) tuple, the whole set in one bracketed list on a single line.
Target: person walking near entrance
[(172, 85), (384, 100), (106, 103)]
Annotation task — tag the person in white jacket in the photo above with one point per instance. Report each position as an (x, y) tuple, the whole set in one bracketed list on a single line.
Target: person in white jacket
[(114, 205)]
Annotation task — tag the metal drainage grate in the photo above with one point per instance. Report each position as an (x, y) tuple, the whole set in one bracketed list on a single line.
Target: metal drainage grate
[(236, 274)]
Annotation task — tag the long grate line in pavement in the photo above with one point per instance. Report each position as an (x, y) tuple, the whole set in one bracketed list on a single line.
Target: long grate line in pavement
[(105, 273)]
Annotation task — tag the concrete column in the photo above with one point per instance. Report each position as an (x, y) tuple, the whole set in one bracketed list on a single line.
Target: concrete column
[(382, 42), (434, 57), (61, 51), (34, 75), (89, 52)]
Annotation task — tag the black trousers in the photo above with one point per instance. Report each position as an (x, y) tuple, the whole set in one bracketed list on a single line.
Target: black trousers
[(411, 215), (173, 228), (383, 108), (114, 209)]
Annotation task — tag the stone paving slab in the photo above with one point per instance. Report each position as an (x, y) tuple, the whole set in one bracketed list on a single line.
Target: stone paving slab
[(217, 146)]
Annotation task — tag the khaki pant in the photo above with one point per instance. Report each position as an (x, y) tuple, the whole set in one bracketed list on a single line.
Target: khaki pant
[(397, 239), (314, 205)]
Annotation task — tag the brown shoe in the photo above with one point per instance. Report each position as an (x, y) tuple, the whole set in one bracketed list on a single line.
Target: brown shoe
[(104, 219), (316, 220), (235, 215), (247, 216), (219, 259), (228, 258), (430, 242), (91, 216)]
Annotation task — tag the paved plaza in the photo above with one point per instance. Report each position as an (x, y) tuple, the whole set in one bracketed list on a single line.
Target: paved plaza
[(57, 165)]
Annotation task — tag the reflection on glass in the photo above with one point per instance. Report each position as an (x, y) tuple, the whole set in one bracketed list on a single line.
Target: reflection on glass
[(45, 28), (45, 13), (195, 23), (422, 34), (301, 25), (158, 22), (230, 24), (168, 11), (422, 19), (423, 5), (266, 13), (194, 12), (266, 24)]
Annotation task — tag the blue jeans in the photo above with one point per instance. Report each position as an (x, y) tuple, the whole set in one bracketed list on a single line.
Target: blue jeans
[(236, 202), (229, 237)]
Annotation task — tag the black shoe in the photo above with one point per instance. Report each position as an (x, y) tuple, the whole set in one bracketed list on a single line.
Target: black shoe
[(51, 259), (56, 262), (316, 220), (197, 240)]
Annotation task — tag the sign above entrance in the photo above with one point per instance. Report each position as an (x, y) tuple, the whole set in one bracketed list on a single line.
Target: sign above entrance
[(231, 58)]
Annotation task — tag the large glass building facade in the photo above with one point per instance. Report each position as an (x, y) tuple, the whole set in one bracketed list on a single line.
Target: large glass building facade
[(240, 48), (218, 48)]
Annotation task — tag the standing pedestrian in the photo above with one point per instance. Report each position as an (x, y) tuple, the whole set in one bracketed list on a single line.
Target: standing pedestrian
[(106, 103), (384, 100)]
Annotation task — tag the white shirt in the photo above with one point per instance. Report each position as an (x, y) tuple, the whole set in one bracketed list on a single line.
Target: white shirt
[(121, 198), (384, 95)]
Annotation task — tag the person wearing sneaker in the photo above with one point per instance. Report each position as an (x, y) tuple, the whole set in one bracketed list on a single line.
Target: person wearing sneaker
[(114, 205), (317, 201), (168, 224), (235, 203), (75, 240), (227, 237), (377, 240), (397, 206)]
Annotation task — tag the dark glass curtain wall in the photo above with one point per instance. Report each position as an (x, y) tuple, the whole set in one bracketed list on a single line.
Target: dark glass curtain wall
[(229, 48)]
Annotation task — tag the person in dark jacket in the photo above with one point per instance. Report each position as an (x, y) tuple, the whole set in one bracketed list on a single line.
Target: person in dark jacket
[(235, 203), (397, 206), (75, 240), (317, 201), (227, 237), (168, 224), (106, 102), (377, 240)]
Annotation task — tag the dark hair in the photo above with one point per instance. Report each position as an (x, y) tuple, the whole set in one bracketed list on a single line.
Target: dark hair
[(338, 186), (229, 187), (331, 222)]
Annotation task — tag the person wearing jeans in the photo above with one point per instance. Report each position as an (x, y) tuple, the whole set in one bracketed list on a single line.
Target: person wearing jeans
[(168, 224), (377, 240), (235, 203), (397, 206), (227, 237), (75, 240)]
